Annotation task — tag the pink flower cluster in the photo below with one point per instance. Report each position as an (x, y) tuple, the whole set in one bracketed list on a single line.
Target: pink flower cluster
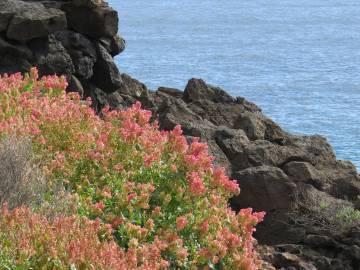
[(69, 241), (147, 199)]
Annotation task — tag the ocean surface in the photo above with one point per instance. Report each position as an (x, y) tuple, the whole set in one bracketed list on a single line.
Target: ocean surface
[(298, 60)]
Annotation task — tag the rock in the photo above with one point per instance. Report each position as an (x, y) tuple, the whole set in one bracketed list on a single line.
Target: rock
[(234, 144), (289, 261), (7, 11), (320, 241), (114, 45), (273, 132), (253, 126), (291, 248), (16, 50), (106, 74), (171, 92), (231, 141), (9, 8), (89, 3), (219, 114), (132, 87), (305, 172), (249, 106), (11, 64), (319, 151), (75, 86), (345, 180), (269, 185), (266, 254), (197, 89), (217, 106), (35, 21), (263, 152), (57, 4), (277, 229), (51, 57), (174, 111), (81, 51), (37, 33), (97, 22), (115, 100), (353, 251)]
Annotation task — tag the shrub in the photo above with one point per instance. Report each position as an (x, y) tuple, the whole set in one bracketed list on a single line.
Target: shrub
[(162, 197), (57, 202), (30, 241), (21, 181), (317, 209)]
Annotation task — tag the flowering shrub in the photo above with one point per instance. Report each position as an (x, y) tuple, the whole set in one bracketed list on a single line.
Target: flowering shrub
[(160, 200)]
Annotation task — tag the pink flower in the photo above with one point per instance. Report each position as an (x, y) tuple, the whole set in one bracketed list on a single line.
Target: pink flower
[(149, 159), (99, 206), (131, 196), (107, 193), (118, 167), (35, 131), (117, 222), (197, 186), (42, 140), (173, 168), (204, 226), (181, 222)]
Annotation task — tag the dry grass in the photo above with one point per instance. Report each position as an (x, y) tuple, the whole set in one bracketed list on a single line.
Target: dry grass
[(324, 212), (60, 202), (21, 181)]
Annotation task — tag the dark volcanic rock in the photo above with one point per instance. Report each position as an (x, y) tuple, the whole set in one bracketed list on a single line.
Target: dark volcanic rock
[(12, 64), (132, 87), (89, 3), (114, 45), (271, 187), (51, 57), (106, 74), (94, 22), (30, 20), (171, 92), (197, 89), (76, 38), (75, 86), (14, 57), (81, 51), (18, 50)]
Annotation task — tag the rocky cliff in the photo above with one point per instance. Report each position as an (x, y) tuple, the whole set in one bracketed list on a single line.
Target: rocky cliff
[(74, 38), (310, 197)]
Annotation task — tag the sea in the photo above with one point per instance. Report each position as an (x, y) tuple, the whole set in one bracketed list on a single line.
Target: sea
[(298, 60)]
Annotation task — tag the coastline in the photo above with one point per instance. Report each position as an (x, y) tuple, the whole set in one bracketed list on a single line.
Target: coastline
[(277, 171)]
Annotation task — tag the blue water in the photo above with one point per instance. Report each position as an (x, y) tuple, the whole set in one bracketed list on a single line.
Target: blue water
[(298, 60)]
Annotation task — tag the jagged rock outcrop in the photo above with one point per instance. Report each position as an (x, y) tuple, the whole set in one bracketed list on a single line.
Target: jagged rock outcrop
[(296, 179), (74, 38)]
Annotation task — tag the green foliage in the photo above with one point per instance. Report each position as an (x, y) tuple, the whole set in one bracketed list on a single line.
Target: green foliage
[(140, 198), (348, 216)]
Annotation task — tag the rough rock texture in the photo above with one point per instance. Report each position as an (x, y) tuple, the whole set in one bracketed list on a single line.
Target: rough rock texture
[(297, 180), (74, 38)]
